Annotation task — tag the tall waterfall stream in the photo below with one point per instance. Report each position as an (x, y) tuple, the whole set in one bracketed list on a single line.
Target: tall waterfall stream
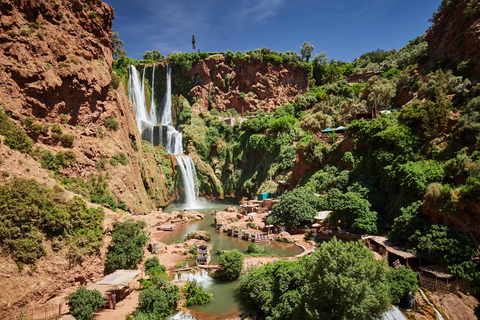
[(162, 132)]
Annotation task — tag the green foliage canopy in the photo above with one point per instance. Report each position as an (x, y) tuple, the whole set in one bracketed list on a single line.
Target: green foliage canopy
[(232, 264), (128, 242), (294, 207), (84, 302)]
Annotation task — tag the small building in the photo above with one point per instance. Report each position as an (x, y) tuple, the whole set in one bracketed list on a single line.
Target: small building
[(118, 283), (203, 254), (381, 245), (435, 278)]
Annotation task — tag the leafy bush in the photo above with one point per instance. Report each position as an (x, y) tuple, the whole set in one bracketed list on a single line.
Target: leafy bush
[(340, 280), (111, 124), (195, 294), (294, 207), (15, 138), (30, 211), (119, 158), (67, 140), (128, 242), (232, 264), (253, 248), (157, 301), (84, 302), (402, 281)]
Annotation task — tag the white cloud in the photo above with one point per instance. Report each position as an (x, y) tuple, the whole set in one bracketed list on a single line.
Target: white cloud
[(261, 10)]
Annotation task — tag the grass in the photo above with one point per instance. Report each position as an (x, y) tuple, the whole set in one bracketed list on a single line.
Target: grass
[(181, 264)]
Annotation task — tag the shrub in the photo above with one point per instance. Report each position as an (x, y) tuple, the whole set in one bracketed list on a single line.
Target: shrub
[(55, 128), (232, 264), (5, 174), (195, 294), (115, 81), (15, 138), (32, 211), (119, 158), (253, 248), (158, 301), (67, 140), (127, 249), (84, 302), (111, 124)]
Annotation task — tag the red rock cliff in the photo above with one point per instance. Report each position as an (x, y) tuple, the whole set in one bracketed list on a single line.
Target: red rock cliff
[(455, 36)]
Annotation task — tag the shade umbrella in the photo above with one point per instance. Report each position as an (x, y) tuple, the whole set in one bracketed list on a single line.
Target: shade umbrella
[(327, 130)]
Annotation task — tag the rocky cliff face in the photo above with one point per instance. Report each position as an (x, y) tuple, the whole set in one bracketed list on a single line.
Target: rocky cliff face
[(245, 85), (55, 67), (455, 37)]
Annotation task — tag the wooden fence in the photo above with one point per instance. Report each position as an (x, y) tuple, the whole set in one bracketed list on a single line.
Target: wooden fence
[(38, 313)]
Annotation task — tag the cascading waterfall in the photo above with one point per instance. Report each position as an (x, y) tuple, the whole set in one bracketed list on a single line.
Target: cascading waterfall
[(189, 176), (201, 277), (164, 134), (439, 315), (166, 119), (393, 314), (182, 315)]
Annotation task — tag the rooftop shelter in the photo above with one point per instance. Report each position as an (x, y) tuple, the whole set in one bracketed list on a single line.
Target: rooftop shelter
[(381, 245), (118, 283), (435, 278)]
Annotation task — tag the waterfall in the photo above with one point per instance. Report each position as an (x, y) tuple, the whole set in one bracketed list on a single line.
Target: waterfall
[(165, 135), (153, 107), (189, 177), (200, 276), (166, 119), (136, 93), (439, 315), (393, 314), (182, 315)]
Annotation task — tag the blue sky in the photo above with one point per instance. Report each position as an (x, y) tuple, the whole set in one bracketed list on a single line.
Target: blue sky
[(344, 29)]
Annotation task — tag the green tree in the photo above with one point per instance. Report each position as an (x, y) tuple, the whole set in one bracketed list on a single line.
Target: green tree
[(346, 282), (193, 43), (157, 301), (128, 242), (276, 290), (195, 294), (118, 51), (401, 281), (294, 207), (379, 92), (306, 50), (84, 302), (351, 207), (316, 122), (232, 264), (154, 55)]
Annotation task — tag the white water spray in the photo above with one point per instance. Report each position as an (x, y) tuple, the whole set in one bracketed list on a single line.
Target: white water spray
[(201, 277), (182, 315), (393, 314), (189, 175)]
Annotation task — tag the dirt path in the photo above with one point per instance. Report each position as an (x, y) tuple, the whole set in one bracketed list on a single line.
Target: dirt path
[(127, 305)]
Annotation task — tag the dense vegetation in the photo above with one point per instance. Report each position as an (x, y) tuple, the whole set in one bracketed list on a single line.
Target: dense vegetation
[(32, 213), (231, 263), (83, 303), (339, 281), (127, 249), (158, 301)]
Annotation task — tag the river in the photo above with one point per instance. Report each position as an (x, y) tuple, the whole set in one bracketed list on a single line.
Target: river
[(226, 302)]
